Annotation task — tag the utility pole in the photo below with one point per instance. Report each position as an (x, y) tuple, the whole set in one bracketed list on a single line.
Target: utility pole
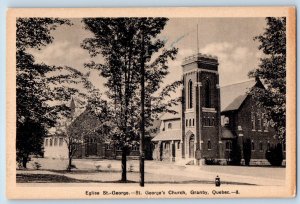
[(142, 127)]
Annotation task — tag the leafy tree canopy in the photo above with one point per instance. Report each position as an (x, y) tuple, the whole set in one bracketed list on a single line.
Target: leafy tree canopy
[(272, 72)]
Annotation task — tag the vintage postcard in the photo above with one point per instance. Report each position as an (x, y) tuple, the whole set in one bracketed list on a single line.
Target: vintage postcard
[(119, 103)]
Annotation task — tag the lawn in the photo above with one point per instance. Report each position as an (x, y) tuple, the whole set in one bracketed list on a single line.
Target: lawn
[(109, 171)]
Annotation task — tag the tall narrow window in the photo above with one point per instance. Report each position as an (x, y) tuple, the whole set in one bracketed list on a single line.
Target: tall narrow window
[(259, 115), (212, 121), (207, 102), (61, 141), (55, 141), (265, 122), (209, 145), (252, 146), (228, 146), (190, 94), (253, 120), (260, 146), (193, 122), (50, 142), (190, 123), (46, 142), (170, 126)]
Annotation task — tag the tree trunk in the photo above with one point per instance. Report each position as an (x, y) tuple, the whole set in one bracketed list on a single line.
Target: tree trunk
[(70, 164), (70, 160), (124, 173), (24, 162)]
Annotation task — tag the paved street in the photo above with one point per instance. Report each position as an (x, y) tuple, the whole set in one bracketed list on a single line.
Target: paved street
[(156, 172)]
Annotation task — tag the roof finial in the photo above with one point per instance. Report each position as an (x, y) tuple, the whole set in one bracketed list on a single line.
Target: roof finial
[(197, 41)]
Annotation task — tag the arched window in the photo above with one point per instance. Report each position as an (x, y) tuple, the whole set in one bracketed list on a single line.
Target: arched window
[(50, 142), (228, 146), (207, 96), (186, 122), (190, 94), (169, 125), (252, 146), (190, 122), (208, 145), (193, 122)]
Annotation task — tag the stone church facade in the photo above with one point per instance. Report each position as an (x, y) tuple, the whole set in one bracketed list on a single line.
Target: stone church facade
[(211, 118)]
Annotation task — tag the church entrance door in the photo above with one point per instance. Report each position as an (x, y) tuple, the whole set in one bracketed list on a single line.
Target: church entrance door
[(191, 146)]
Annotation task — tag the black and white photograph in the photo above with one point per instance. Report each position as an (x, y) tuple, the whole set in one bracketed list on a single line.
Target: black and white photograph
[(169, 104)]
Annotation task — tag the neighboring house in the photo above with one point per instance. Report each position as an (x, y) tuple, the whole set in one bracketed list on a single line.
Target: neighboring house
[(55, 145), (167, 141), (211, 118), (93, 138)]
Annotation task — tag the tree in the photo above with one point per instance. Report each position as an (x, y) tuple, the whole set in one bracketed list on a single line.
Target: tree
[(275, 155), (127, 45), (272, 72), (42, 90), (235, 153), (247, 151), (32, 110)]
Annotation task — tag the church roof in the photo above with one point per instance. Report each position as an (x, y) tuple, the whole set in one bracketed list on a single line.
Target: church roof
[(236, 103), (87, 124), (233, 95), (168, 135)]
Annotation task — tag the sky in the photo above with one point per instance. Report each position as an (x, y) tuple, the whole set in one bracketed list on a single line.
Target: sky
[(230, 39)]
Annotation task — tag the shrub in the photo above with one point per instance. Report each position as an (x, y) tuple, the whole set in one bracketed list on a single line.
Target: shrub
[(36, 165), (247, 151), (211, 161), (130, 168), (98, 167), (235, 154), (275, 155)]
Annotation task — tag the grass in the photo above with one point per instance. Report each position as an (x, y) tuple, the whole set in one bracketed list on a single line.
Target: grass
[(51, 178), (47, 178)]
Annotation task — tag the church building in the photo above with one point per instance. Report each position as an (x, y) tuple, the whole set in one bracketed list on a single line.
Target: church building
[(212, 118)]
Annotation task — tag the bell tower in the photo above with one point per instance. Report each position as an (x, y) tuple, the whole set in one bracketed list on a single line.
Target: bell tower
[(201, 125)]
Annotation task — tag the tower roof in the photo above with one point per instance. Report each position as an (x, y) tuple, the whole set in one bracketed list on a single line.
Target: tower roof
[(200, 57)]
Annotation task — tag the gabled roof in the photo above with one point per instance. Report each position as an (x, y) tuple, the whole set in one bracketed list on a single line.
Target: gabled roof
[(236, 103), (168, 135), (232, 96), (86, 124)]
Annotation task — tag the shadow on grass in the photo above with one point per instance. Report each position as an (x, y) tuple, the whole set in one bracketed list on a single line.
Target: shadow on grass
[(50, 178), (76, 171)]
